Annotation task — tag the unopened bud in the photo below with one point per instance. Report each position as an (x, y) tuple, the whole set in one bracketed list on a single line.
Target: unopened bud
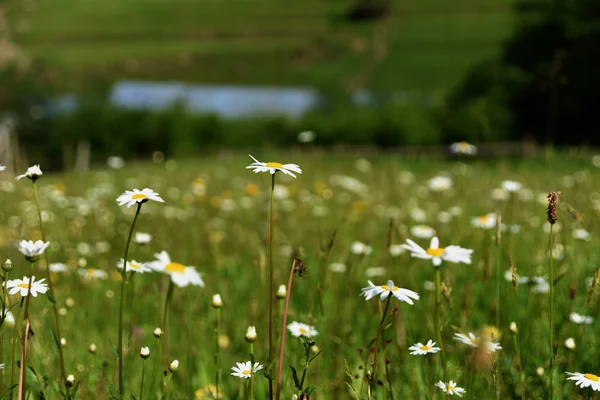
[(217, 302), (92, 349), (174, 366), (570, 344), (540, 371), (281, 292), (513, 327), (63, 342), (145, 352), (157, 333), (250, 334), (70, 381), (8, 265)]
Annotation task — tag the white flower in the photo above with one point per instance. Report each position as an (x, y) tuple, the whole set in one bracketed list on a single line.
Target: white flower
[(92, 273), (300, 329), (463, 148), (396, 250), (31, 249), (58, 267), (361, 248), (245, 370), (250, 334), (273, 167), (134, 266), (142, 238), (32, 173), (2, 167), (511, 186), (439, 183), (451, 388), (372, 272), (174, 366), (581, 234), (137, 196), (499, 194), (421, 349), (585, 380), (115, 162), (570, 343), (181, 275), (9, 318), (422, 231), (486, 221), (217, 301), (145, 352), (24, 286), (580, 319), (385, 290), (475, 341), (337, 267), (306, 136), (455, 254)]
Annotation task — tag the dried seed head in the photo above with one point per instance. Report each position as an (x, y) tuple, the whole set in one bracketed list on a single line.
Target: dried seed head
[(552, 200), (299, 267)]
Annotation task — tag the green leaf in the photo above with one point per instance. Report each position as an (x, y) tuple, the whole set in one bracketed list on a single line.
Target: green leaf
[(295, 376), (56, 341), (7, 391), (114, 393), (309, 390), (51, 298), (315, 356)]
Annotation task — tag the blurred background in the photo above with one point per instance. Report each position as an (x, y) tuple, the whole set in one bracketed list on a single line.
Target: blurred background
[(84, 80)]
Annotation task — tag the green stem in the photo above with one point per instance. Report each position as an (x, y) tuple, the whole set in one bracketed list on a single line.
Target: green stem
[(271, 223), (142, 384), (438, 310), (51, 294), (217, 370), (251, 383), (497, 354), (551, 314), (4, 300), (520, 365), (14, 347), (23, 366), (379, 333), (122, 306), (470, 382)]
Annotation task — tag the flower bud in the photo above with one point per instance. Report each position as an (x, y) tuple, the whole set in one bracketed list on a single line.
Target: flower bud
[(250, 334), (157, 333), (92, 349), (8, 265), (145, 352), (540, 371), (570, 343), (70, 381), (513, 327), (216, 301), (63, 342), (174, 366), (281, 292)]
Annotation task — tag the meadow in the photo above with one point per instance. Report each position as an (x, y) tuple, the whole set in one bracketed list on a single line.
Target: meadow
[(344, 217), (423, 46)]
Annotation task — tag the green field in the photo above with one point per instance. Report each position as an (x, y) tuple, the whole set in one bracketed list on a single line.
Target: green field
[(216, 218), (423, 46)]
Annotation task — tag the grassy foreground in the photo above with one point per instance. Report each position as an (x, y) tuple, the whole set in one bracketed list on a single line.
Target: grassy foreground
[(215, 217)]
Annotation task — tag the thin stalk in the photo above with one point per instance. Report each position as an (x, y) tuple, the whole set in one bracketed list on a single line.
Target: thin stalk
[(130, 303), (217, 370), (551, 314), (379, 333), (438, 310), (520, 366), (283, 330), (21, 395), (271, 223), (14, 347), (497, 354), (164, 319), (389, 379), (251, 383), (4, 299), (469, 391), (51, 287), (142, 384), (122, 306)]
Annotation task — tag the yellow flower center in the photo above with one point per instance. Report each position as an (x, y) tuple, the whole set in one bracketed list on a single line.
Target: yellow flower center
[(483, 219), (274, 165), (303, 331), (135, 266), (175, 267), (425, 347), (450, 387), (23, 285), (246, 372), (592, 377), (436, 252), (385, 287), (138, 196)]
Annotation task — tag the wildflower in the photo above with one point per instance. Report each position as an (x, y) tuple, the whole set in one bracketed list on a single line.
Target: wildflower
[(7, 266), (451, 388), (58, 267), (9, 319), (486, 221), (32, 250), (475, 341), (552, 201), (435, 253), (570, 343), (511, 186), (580, 319), (174, 366), (33, 173), (422, 231), (145, 352), (581, 234), (70, 381), (2, 167), (463, 148), (585, 380), (273, 167), (439, 183), (281, 292), (142, 238), (157, 333), (246, 370), (217, 302), (134, 266), (250, 334), (385, 290), (92, 273), (306, 136), (375, 271), (181, 275), (25, 286), (137, 196), (361, 248), (396, 250), (115, 162), (92, 349), (513, 327), (299, 329), (499, 194), (539, 371), (209, 392), (421, 349), (337, 267)]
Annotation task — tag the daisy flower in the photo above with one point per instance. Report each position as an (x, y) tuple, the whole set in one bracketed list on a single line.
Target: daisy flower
[(436, 254), (463, 148), (58, 267), (486, 221), (511, 186), (585, 380), (137, 196), (422, 231), (31, 249), (24, 286), (9, 318), (245, 370), (385, 290), (2, 167), (92, 273), (181, 275), (134, 266), (273, 167), (451, 388), (142, 238), (439, 183), (475, 341), (581, 234), (361, 248), (33, 173), (299, 329), (580, 319), (421, 349)]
